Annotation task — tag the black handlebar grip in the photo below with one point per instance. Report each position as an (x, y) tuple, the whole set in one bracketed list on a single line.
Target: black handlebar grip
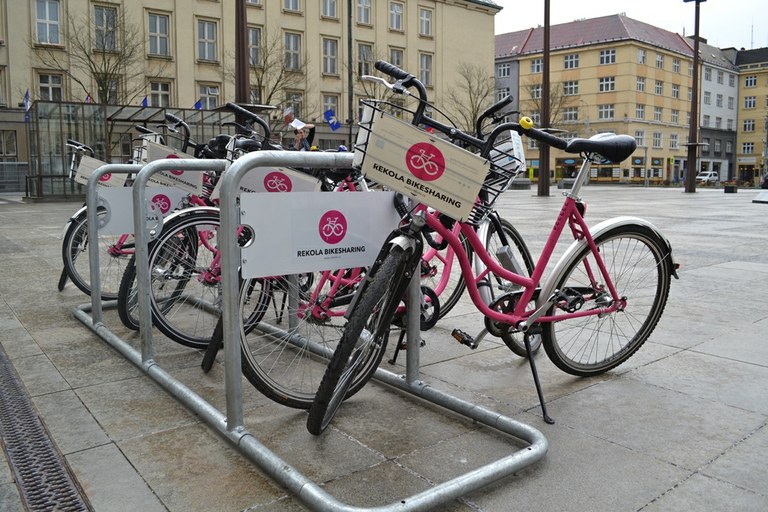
[(143, 129), (547, 138), (172, 118), (391, 70), (237, 108)]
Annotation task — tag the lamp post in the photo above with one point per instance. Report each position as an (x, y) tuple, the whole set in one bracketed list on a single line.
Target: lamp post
[(693, 130), (645, 164)]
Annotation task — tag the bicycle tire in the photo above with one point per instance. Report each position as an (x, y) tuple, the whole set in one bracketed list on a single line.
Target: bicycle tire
[(353, 363), (76, 259), (433, 270), (640, 267), (127, 300)]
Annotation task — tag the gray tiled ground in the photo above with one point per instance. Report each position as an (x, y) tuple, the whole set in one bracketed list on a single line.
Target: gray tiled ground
[(681, 426)]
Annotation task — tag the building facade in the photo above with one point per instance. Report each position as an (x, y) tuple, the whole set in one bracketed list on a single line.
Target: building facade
[(753, 114)]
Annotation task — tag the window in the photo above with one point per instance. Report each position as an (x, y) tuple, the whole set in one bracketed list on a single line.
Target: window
[(728, 146), (425, 69), (605, 111), (571, 114), (748, 148), (329, 9), (675, 116), (331, 102), (254, 46), (105, 36), (640, 87), (729, 124), (731, 102), (676, 65), (396, 57), (707, 99), (705, 121), (676, 91), (295, 100), (396, 16), (719, 100), (674, 141), (330, 56), (364, 59), (640, 138), (657, 113), (160, 94), (608, 56), (50, 87), (659, 89), (8, 146), (292, 52), (537, 65), (292, 5), (641, 56), (209, 96), (707, 74), (536, 91), (571, 61), (750, 101), (503, 70), (256, 96), (159, 35), (640, 111), (571, 88), (658, 140), (47, 21), (749, 125), (717, 146), (731, 80), (659, 61), (206, 40), (254, 2), (720, 76), (690, 94), (502, 93), (705, 145), (607, 84), (718, 122), (364, 11), (750, 81), (425, 22)]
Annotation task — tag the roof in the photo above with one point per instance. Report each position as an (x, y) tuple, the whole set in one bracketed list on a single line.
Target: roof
[(714, 56), (756, 56), (485, 3), (616, 27)]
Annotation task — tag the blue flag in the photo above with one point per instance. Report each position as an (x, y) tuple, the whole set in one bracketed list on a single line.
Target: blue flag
[(27, 105), (144, 102), (330, 116), (198, 105)]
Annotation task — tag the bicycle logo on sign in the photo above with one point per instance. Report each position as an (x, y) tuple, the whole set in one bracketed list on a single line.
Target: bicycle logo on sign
[(277, 182), (105, 177), (425, 161), (162, 202), (175, 172), (332, 227)]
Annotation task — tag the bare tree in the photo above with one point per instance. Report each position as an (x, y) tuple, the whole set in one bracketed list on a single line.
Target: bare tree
[(471, 93), (558, 101)]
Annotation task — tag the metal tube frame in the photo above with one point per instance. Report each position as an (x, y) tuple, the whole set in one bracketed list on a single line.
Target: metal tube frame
[(230, 426)]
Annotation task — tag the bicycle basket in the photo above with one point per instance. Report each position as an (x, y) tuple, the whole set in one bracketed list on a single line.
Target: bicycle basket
[(414, 162)]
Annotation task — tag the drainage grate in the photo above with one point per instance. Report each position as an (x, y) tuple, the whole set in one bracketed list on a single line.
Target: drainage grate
[(41, 473)]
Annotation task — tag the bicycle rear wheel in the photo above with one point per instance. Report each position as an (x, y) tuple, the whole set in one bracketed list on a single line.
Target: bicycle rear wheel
[(364, 340), (640, 266), (434, 270), (114, 254)]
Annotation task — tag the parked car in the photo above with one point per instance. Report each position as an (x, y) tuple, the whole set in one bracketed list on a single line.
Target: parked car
[(707, 177)]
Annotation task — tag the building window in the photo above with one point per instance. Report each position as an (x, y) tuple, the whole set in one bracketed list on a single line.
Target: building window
[(640, 138), (209, 96), (51, 88), (731, 102), (396, 16), (657, 113), (718, 122), (720, 76), (330, 56), (608, 56), (719, 100), (8, 146), (105, 36), (728, 147), (159, 35), (160, 94), (425, 22), (658, 140), (570, 114), (718, 145), (676, 65), (292, 52), (364, 11), (206, 40), (502, 93), (675, 116), (295, 101), (331, 102), (676, 91), (537, 65), (536, 91), (707, 74), (750, 101), (640, 87), (731, 80), (571, 88), (641, 55), (605, 111), (659, 61), (364, 59), (396, 57), (292, 5), (659, 89), (750, 81), (47, 21), (639, 111), (425, 68), (503, 70), (571, 61), (254, 46), (254, 2), (705, 121), (729, 124), (748, 148), (707, 98), (329, 9), (690, 94), (674, 141), (749, 125), (607, 84), (256, 96)]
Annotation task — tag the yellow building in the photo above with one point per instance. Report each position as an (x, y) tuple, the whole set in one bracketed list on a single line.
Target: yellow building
[(752, 140)]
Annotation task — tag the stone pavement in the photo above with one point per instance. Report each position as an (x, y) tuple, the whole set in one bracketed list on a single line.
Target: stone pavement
[(680, 426)]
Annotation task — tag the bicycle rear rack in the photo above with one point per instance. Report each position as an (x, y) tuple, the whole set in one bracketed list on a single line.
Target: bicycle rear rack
[(231, 425)]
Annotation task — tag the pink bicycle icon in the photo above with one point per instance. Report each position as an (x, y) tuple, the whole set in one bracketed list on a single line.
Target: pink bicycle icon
[(332, 226), (277, 184), (162, 202), (423, 162)]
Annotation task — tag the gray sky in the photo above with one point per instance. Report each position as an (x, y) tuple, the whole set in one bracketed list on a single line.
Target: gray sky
[(724, 23)]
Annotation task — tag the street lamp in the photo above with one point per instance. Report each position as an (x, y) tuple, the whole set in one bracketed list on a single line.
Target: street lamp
[(693, 131), (586, 109)]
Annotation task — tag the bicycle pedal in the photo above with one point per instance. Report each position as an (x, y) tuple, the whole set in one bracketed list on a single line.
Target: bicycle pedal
[(464, 338)]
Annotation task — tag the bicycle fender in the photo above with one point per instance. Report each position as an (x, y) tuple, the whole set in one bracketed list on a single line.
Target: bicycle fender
[(191, 211), (597, 231), (73, 218)]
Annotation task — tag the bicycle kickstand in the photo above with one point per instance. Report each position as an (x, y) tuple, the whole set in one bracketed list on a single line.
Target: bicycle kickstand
[(537, 383), (400, 344)]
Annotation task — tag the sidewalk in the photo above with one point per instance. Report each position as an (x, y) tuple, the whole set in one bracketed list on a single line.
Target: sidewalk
[(680, 426)]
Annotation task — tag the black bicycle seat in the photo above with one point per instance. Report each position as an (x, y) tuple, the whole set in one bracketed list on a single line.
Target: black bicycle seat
[(610, 146)]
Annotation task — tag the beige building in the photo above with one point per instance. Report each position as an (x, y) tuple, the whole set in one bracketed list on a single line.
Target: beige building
[(180, 54), (752, 142)]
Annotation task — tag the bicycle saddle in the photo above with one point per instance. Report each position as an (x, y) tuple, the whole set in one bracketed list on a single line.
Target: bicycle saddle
[(610, 146)]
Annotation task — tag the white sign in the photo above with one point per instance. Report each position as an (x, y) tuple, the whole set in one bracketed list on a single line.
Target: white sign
[(119, 205), (312, 231), (89, 164), (189, 181), (274, 179)]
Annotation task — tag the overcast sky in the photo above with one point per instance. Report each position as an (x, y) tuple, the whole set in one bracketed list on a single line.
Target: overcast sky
[(724, 23)]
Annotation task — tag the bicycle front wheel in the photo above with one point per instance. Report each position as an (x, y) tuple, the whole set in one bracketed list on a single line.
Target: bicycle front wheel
[(365, 337), (442, 274), (640, 266)]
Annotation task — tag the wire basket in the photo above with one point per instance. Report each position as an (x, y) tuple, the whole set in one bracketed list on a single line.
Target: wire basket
[(457, 182)]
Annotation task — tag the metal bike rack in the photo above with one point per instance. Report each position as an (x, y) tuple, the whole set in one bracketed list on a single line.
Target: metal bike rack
[(231, 426)]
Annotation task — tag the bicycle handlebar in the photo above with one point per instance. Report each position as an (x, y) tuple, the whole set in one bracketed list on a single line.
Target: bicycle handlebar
[(144, 130), (250, 117), (79, 146)]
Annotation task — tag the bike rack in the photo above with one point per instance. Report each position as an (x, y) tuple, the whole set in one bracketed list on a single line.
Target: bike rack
[(231, 426)]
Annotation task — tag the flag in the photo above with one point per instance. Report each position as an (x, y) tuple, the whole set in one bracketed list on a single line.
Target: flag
[(330, 116), (288, 115), (27, 106), (88, 98), (144, 102), (199, 104)]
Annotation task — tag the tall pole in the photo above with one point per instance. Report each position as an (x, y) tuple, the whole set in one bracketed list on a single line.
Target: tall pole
[(350, 84), (543, 148), (693, 129), (242, 80)]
